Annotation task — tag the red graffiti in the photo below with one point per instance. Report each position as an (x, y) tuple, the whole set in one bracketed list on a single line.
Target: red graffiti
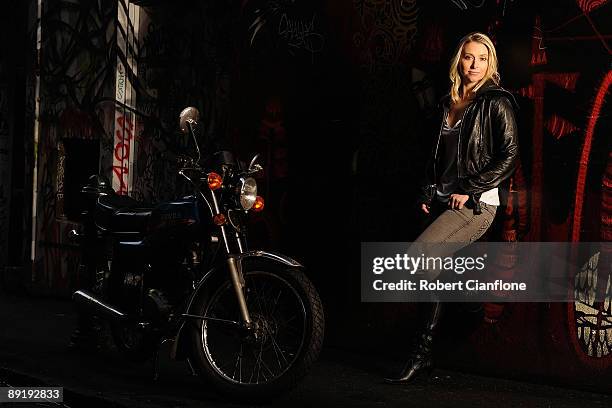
[(538, 53), (432, 45), (535, 91), (121, 173), (559, 126), (589, 5), (598, 338), (564, 80), (586, 152), (527, 92), (124, 138), (273, 132), (606, 203)]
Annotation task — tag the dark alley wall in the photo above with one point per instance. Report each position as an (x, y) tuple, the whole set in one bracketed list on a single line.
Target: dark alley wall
[(13, 110)]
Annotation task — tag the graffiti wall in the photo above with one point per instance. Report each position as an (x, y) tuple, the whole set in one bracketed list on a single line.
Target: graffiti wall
[(184, 60), (73, 132), (113, 79)]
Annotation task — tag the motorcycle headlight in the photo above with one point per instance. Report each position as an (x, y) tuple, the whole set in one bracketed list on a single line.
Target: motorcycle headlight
[(248, 192)]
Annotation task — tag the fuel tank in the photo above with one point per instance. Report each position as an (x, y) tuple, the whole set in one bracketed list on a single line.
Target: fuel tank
[(181, 217)]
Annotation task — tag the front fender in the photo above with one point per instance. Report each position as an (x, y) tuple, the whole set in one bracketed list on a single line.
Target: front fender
[(268, 255), (180, 343)]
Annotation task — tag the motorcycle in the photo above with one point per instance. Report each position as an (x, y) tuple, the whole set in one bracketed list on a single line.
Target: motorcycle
[(248, 321)]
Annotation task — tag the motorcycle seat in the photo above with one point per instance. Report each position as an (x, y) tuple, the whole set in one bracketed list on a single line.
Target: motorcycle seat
[(122, 214)]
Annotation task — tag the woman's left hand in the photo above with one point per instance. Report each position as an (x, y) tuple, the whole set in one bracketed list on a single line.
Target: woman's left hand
[(456, 201)]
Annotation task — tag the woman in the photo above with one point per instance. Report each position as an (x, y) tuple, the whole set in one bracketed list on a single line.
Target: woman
[(474, 152)]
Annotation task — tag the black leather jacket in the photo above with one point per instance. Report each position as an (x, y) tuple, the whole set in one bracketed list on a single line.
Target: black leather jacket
[(487, 146)]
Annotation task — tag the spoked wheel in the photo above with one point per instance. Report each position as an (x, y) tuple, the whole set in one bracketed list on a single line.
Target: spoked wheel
[(285, 340)]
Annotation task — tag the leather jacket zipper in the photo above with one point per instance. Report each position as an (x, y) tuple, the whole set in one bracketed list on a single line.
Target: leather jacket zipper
[(477, 209), (435, 159), (459, 175)]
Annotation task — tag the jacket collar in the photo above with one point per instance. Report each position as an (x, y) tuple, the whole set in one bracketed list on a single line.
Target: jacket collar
[(489, 88)]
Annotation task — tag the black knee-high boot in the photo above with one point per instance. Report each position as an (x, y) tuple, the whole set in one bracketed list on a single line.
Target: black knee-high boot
[(420, 360)]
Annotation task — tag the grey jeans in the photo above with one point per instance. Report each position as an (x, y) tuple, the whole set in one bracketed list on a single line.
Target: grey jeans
[(457, 227)]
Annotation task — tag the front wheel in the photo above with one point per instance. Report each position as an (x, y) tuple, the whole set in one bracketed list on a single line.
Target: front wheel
[(289, 324)]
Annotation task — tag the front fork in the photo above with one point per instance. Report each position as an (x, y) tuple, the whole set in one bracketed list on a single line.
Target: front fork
[(239, 284), (235, 269)]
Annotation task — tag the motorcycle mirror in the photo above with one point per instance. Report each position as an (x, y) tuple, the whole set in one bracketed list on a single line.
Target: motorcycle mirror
[(254, 166), (253, 160), (187, 120), (189, 115)]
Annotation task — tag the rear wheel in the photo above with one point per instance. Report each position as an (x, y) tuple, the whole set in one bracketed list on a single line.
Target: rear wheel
[(286, 340)]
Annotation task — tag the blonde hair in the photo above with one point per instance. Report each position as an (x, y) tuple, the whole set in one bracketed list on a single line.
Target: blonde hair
[(455, 74)]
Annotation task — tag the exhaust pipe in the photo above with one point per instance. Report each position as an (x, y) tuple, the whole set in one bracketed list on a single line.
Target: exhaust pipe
[(97, 306)]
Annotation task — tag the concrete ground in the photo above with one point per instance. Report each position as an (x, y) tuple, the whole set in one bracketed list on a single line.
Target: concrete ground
[(33, 352)]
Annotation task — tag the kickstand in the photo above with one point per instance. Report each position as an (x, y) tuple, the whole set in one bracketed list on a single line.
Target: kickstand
[(156, 365), (193, 373), (156, 359)]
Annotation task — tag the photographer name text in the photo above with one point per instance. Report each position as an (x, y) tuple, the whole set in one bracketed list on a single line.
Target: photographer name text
[(437, 285)]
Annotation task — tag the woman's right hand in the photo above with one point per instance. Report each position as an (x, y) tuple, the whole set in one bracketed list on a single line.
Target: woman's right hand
[(425, 208)]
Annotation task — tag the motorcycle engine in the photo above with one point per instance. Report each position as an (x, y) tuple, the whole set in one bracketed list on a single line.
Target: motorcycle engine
[(132, 281), (157, 307)]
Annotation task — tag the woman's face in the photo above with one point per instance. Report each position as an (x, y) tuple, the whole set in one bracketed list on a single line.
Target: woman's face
[(474, 62)]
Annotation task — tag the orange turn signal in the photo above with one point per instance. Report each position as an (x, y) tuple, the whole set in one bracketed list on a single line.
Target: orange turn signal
[(219, 219), (214, 181), (259, 204)]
